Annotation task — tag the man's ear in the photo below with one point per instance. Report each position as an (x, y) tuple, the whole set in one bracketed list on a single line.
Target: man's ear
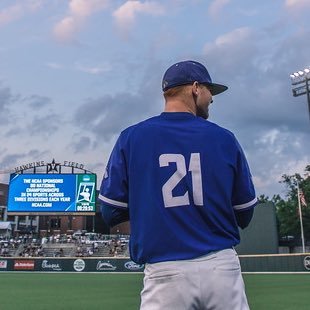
[(195, 88)]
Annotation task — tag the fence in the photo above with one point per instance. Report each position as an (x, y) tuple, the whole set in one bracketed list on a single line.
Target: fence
[(249, 263)]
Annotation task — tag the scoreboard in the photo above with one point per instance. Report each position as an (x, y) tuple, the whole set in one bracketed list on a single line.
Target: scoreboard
[(52, 193)]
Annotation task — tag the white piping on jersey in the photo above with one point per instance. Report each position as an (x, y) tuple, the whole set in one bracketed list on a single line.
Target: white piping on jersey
[(245, 205), (125, 205), (113, 202)]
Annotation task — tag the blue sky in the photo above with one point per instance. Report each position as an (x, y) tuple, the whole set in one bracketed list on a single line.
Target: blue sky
[(74, 73)]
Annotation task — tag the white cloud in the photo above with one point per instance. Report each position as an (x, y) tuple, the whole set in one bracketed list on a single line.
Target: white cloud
[(10, 14), (54, 65), (238, 44), (66, 28), (270, 137), (93, 69), (125, 15), (33, 5), (231, 41), (86, 68), (233, 37), (79, 11), (277, 142), (84, 8), (17, 11), (297, 4), (276, 152), (296, 166), (216, 6), (268, 181)]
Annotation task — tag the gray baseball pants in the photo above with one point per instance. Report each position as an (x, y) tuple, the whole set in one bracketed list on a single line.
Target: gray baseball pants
[(213, 281)]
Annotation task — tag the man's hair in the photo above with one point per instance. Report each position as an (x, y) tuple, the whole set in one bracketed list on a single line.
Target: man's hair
[(176, 91)]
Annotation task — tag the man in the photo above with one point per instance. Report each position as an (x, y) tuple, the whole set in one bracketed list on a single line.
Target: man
[(185, 185)]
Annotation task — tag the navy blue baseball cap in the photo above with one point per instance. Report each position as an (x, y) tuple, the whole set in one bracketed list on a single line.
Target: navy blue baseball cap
[(188, 72)]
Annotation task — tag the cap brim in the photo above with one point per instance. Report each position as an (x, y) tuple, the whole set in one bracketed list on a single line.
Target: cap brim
[(216, 89)]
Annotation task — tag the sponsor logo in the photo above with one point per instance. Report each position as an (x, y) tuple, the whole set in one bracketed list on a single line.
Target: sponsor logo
[(133, 266), (79, 265), (51, 266), (101, 265), (24, 265), (307, 262), (3, 264)]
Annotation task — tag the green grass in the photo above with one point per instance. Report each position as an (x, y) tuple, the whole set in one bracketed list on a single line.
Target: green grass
[(282, 291), (58, 291), (37, 291)]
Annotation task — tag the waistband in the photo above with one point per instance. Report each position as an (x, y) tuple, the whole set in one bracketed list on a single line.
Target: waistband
[(204, 257), (213, 254)]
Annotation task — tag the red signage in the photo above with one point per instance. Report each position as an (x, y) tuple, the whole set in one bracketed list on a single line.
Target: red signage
[(24, 265)]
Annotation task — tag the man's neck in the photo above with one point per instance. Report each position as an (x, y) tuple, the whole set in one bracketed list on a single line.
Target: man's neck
[(176, 105)]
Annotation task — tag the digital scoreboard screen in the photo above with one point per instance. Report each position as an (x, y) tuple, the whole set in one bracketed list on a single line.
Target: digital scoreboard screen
[(52, 193)]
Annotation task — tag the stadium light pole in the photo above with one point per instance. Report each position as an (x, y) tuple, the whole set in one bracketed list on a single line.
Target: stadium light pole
[(301, 84)]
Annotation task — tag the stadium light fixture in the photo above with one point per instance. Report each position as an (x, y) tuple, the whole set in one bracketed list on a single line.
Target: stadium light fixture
[(301, 84)]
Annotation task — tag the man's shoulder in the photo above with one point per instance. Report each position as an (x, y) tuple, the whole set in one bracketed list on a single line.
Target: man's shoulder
[(143, 123), (217, 128), (158, 121)]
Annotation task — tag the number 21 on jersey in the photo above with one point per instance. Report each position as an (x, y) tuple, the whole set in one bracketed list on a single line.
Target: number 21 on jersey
[(194, 168)]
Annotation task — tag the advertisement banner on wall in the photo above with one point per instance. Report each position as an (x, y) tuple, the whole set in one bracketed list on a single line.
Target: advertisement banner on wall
[(3, 264), (24, 264), (50, 264), (275, 263)]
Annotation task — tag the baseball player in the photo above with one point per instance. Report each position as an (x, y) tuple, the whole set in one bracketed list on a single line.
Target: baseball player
[(185, 185)]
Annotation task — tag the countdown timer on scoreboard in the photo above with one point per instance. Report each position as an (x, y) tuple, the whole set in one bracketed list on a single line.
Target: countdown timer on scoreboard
[(52, 193)]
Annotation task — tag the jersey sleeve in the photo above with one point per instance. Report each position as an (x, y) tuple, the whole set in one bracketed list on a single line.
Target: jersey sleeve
[(244, 218), (114, 215), (243, 196), (114, 186)]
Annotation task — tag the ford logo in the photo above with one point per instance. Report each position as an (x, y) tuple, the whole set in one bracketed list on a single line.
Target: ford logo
[(133, 266)]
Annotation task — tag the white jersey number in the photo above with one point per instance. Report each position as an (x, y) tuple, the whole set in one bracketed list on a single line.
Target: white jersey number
[(195, 169)]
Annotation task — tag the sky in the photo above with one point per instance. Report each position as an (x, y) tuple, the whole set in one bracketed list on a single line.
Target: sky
[(74, 74)]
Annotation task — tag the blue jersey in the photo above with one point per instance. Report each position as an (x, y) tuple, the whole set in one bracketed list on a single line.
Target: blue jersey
[(182, 179)]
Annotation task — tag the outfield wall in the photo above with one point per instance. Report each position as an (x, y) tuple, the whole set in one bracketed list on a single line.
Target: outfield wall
[(249, 263), (85, 264), (275, 263)]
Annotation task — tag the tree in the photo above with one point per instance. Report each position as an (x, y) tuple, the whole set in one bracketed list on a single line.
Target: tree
[(287, 209), (263, 199)]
